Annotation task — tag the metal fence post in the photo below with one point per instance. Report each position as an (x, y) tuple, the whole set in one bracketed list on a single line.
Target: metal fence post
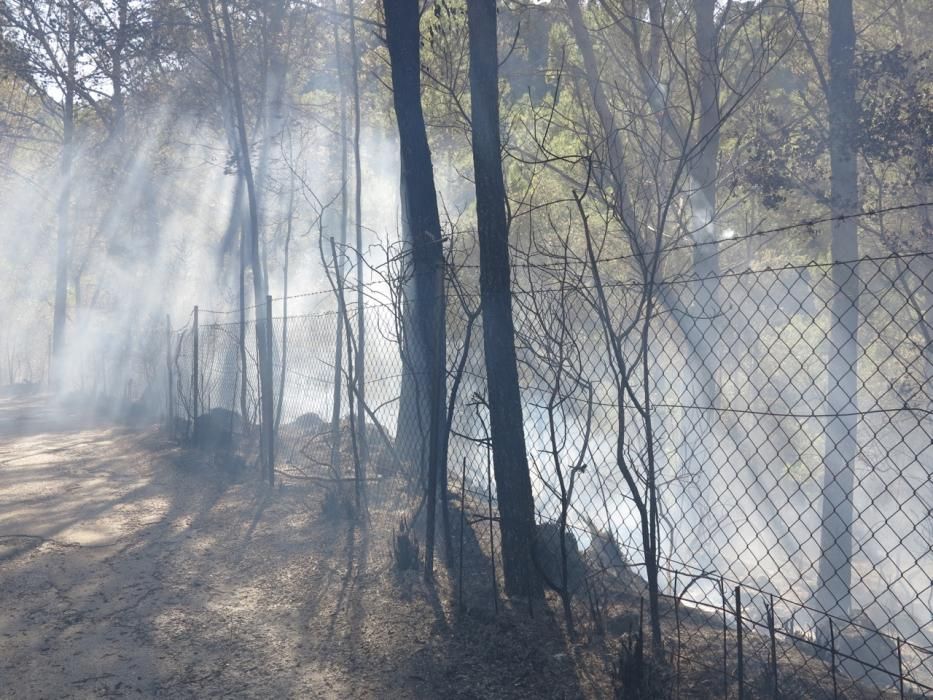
[(169, 396), (900, 669), (195, 383), (270, 418), (677, 626), (725, 629), (771, 634), (739, 660)]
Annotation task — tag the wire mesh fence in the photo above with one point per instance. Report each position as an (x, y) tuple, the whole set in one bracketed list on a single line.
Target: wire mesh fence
[(780, 418)]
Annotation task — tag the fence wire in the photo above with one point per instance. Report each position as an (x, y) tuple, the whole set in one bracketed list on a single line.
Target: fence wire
[(784, 417)]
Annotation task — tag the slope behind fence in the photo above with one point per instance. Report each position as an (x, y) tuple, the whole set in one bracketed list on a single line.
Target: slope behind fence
[(738, 380)]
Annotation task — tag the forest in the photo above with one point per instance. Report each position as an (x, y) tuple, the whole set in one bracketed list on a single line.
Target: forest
[(467, 348)]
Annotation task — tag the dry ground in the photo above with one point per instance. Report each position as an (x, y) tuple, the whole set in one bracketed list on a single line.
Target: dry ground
[(132, 567)]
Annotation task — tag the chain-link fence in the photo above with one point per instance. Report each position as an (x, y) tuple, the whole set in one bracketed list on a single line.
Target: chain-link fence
[(777, 422)]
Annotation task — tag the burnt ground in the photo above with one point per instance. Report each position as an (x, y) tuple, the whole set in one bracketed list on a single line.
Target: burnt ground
[(130, 566)]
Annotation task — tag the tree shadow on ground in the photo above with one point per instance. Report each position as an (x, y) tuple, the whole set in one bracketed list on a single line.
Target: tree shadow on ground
[(215, 584)]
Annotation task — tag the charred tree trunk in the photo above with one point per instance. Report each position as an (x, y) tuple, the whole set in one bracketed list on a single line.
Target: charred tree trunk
[(425, 301), (414, 402), (510, 461)]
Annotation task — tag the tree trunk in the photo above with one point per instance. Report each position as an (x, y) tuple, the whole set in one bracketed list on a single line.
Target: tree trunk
[(510, 461), (414, 401), (613, 179), (703, 200), (338, 343), (117, 99), (60, 311), (274, 68), (263, 323), (835, 570), (424, 311), (358, 221), (238, 218)]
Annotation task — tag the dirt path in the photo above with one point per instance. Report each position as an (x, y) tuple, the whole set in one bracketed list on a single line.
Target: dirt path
[(129, 567)]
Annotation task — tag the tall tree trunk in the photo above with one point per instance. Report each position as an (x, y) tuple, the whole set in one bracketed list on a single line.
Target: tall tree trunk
[(263, 324), (344, 201), (60, 311), (241, 289), (274, 68), (414, 415), (117, 99), (614, 177), (358, 222), (510, 461), (238, 218), (703, 200), (835, 570), (414, 402), (425, 301)]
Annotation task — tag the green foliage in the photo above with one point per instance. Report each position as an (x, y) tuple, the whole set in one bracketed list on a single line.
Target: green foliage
[(896, 110)]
